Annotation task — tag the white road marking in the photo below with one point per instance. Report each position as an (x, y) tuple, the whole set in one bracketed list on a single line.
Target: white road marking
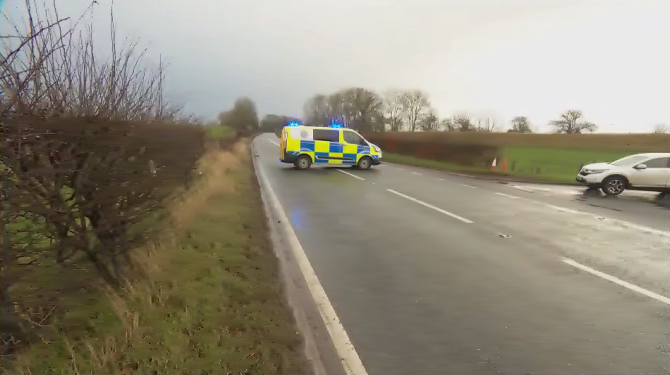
[(523, 188), (507, 195), (430, 206), (618, 281), (441, 179), (400, 169), (470, 186), (345, 349), (617, 221), (351, 174), (563, 209), (417, 173), (273, 142)]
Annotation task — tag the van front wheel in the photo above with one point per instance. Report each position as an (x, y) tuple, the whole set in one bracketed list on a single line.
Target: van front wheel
[(303, 162), (365, 163)]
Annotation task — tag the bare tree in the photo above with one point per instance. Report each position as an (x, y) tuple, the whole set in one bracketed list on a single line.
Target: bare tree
[(430, 121), (463, 123), (447, 125), (415, 104), (570, 124), (486, 125), (394, 110), (661, 129), (364, 109), (520, 124)]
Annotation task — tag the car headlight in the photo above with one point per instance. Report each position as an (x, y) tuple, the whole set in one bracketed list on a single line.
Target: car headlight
[(594, 171)]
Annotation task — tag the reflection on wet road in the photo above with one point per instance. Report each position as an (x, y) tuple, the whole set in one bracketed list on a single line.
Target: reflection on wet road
[(437, 273)]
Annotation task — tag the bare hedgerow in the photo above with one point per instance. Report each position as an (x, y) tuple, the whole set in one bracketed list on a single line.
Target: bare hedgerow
[(90, 149)]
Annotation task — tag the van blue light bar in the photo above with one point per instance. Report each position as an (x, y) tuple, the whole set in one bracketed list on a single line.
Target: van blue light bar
[(293, 123)]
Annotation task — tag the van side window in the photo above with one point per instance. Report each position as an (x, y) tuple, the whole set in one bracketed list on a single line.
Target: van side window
[(353, 138), (328, 135), (657, 163)]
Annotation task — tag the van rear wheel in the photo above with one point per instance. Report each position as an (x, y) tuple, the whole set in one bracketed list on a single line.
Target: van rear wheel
[(303, 162), (365, 163)]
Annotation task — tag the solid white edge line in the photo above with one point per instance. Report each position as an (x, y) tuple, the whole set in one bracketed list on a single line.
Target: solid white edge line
[(348, 355), (507, 195), (273, 142), (351, 174), (618, 281), (430, 206), (470, 186)]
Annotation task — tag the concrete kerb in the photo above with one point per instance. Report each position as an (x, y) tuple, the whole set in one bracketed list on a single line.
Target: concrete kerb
[(317, 344)]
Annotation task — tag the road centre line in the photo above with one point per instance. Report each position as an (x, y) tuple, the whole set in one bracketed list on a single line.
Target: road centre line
[(618, 281), (430, 206), (417, 173), (507, 195), (469, 186), (351, 174), (273, 142), (349, 357)]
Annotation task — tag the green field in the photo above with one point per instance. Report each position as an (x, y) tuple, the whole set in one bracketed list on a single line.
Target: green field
[(550, 164), (554, 163)]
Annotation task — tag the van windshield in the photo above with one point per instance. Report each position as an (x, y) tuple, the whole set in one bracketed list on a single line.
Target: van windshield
[(353, 138)]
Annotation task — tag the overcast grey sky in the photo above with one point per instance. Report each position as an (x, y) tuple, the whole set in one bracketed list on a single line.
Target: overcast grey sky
[(497, 58)]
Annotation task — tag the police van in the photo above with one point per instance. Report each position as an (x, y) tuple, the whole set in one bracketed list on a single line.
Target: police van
[(303, 146)]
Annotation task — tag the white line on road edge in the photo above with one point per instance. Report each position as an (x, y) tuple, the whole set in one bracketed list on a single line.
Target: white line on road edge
[(273, 142), (351, 174), (507, 195), (345, 349), (618, 281), (416, 173), (430, 206), (470, 186)]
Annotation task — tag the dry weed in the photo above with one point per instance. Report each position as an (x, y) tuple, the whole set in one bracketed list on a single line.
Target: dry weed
[(215, 167)]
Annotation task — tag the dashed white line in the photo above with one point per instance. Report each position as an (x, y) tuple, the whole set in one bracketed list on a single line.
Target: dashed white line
[(523, 188), (441, 179), (273, 142), (351, 174), (563, 209), (417, 173), (507, 195), (618, 281), (430, 206), (469, 186)]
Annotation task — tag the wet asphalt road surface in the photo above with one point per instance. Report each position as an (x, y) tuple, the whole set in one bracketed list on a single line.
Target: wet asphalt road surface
[(436, 273)]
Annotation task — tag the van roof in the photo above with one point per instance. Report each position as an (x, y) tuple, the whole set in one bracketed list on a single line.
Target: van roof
[(317, 127)]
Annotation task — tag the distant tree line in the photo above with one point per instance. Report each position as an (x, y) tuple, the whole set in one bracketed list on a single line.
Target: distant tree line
[(411, 110), (395, 110)]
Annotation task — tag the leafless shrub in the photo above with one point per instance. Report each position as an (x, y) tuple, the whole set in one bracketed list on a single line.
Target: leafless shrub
[(89, 150)]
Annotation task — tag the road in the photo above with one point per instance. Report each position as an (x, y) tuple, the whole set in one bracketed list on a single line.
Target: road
[(437, 273)]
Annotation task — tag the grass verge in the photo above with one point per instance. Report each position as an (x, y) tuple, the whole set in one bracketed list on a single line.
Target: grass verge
[(210, 301)]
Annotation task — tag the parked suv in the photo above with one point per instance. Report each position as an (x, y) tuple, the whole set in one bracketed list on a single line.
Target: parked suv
[(649, 172)]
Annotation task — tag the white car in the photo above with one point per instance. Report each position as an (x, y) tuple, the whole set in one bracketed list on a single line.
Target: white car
[(649, 172)]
